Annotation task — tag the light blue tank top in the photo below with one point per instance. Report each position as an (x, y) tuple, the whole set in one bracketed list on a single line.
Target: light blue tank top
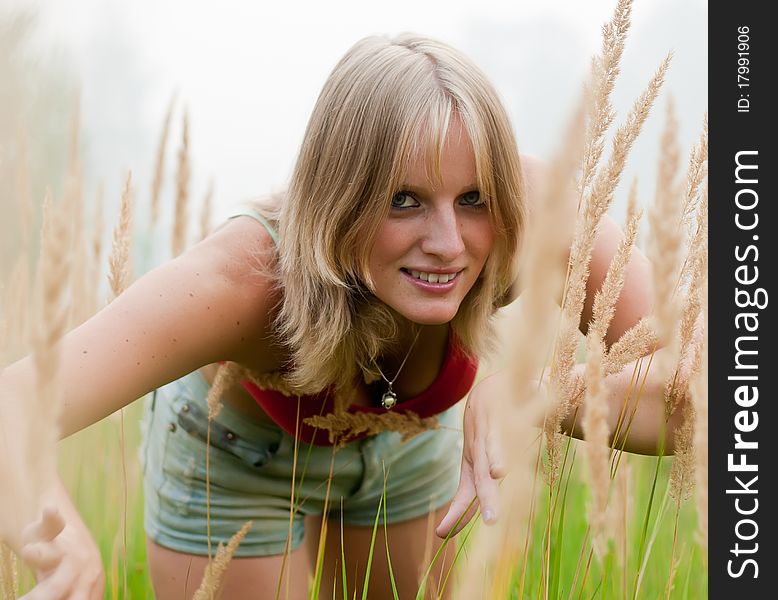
[(247, 211)]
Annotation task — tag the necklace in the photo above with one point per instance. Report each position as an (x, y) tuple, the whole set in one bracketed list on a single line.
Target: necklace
[(389, 399)]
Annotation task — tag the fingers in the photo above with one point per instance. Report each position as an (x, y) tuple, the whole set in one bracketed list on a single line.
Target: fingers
[(45, 529), (43, 556), (497, 468), (485, 486), (462, 507), (487, 464), (56, 587)]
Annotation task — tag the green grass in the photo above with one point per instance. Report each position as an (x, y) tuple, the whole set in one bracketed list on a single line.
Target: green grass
[(91, 465)]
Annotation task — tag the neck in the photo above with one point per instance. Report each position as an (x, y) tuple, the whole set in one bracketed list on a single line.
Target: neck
[(407, 329)]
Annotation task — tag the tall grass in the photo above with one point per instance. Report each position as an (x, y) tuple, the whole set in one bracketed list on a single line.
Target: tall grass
[(611, 525)]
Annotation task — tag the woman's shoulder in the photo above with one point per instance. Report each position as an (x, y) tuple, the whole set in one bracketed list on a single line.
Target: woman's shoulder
[(242, 247), (237, 263)]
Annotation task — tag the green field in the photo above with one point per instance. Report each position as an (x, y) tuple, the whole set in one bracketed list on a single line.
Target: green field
[(103, 476)]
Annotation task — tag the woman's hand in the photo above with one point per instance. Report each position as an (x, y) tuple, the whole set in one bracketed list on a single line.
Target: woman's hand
[(66, 560), (482, 467)]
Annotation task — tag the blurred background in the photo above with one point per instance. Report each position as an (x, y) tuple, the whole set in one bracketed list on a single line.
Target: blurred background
[(248, 74)]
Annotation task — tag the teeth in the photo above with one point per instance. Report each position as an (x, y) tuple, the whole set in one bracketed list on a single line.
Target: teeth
[(433, 277)]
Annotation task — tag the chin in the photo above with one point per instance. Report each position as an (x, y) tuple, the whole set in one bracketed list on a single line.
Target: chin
[(438, 316)]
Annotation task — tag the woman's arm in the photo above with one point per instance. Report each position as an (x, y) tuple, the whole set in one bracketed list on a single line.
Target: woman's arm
[(635, 300), (649, 431), (209, 304)]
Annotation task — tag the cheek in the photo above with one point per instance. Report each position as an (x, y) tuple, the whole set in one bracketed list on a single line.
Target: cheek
[(391, 244), (482, 241), (384, 251)]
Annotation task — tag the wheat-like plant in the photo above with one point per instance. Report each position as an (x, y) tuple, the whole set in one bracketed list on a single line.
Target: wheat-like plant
[(665, 244), (120, 270), (497, 549), (42, 411), (699, 395), (493, 555), (596, 186), (181, 215), (605, 71), (227, 375), (214, 572), (595, 204), (8, 573), (159, 166), (206, 211)]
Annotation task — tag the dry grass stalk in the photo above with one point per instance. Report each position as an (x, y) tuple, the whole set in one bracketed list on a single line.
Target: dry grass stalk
[(695, 209), (340, 424), (497, 549), (545, 249), (342, 427), (51, 320), (696, 172), (119, 274), (206, 212), (619, 514), (690, 311), (694, 218), (12, 436), (606, 298), (605, 71), (596, 450), (272, 381), (181, 217), (8, 573), (665, 246), (682, 472), (214, 572), (159, 169), (699, 396), (637, 341), (594, 207), (227, 375)]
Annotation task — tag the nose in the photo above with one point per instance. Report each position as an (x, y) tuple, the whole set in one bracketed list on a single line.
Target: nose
[(443, 235)]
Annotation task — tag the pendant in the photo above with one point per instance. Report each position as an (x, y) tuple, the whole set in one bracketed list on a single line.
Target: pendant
[(389, 399)]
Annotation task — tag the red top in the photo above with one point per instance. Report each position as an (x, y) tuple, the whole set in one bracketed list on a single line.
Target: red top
[(454, 381)]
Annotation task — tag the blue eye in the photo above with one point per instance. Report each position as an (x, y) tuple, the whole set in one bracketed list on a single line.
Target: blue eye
[(472, 199), (403, 200)]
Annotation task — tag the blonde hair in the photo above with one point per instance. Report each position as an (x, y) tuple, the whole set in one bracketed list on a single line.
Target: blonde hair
[(385, 101)]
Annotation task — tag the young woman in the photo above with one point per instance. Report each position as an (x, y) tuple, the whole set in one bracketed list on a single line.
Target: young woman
[(350, 310)]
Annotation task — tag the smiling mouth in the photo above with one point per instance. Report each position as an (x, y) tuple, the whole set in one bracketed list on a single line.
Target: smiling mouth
[(432, 277)]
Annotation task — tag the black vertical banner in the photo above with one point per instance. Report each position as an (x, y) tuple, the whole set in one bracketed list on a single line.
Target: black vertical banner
[(743, 299)]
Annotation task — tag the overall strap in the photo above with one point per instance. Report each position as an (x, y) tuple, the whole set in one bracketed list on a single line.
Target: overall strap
[(247, 211)]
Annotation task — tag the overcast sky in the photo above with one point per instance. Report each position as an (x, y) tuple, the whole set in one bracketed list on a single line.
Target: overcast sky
[(249, 72)]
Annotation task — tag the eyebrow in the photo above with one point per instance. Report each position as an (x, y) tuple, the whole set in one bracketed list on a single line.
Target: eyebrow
[(422, 191)]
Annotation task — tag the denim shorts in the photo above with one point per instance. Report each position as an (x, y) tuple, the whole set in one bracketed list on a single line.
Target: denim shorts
[(250, 472)]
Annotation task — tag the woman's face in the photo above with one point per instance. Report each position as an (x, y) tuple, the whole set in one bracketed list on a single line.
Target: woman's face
[(434, 243)]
